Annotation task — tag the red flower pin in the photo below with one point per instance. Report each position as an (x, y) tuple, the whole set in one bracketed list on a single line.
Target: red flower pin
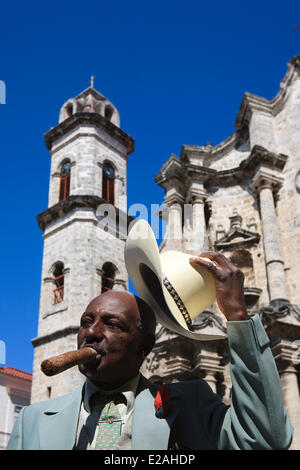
[(162, 401)]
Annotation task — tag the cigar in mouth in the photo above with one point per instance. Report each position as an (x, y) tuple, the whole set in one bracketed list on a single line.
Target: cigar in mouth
[(57, 364)]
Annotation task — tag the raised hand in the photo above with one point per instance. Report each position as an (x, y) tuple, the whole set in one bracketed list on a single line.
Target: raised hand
[(229, 284)]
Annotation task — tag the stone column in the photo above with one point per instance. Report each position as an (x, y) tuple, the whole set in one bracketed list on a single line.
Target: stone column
[(197, 196), (291, 400), (199, 225), (210, 378), (173, 235), (208, 365), (265, 183)]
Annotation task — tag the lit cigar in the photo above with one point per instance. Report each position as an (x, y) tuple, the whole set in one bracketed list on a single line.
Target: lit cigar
[(55, 365)]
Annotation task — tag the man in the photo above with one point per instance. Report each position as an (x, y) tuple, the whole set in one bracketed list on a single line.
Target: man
[(189, 416)]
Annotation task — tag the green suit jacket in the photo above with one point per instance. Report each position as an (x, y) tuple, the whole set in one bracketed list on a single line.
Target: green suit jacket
[(196, 418)]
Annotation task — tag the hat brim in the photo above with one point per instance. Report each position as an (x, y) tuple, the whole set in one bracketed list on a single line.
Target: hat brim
[(143, 264)]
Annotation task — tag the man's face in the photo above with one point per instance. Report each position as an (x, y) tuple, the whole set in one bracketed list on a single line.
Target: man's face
[(110, 325)]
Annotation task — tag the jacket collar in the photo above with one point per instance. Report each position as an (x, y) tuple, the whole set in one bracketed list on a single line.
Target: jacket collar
[(58, 425), (148, 431)]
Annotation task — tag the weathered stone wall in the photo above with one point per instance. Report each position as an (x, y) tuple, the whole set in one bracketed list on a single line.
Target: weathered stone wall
[(287, 130), (251, 185)]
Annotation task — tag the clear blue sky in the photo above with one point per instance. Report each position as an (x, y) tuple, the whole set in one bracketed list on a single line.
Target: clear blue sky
[(176, 71)]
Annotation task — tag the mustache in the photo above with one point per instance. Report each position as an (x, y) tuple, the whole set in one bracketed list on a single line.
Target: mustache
[(100, 349)]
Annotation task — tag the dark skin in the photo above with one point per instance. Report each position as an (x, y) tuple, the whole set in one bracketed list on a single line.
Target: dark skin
[(229, 284), (111, 324)]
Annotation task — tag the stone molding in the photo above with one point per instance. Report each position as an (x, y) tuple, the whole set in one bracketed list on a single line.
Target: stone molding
[(208, 362), (60, 309), (67, 205), (207, 318), (283, 353), (265, 178), (244, 172), (196, 193), (277, 309), (172, 171), (252, 103), (232, 239), (84, 118), (172, 199), (70, 330)]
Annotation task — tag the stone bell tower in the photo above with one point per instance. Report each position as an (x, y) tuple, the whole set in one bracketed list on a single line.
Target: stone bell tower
[(81, 257)]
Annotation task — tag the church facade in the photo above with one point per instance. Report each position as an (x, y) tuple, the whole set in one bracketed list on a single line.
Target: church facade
[(240, 197)]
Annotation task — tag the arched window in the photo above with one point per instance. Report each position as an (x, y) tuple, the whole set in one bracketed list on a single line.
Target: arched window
[(58, 278), (108, 183), (108, 276), (108, 112), (69, 109), (64, 186)]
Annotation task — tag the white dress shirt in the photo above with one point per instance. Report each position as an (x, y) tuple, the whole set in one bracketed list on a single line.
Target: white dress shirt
[(92, 406)]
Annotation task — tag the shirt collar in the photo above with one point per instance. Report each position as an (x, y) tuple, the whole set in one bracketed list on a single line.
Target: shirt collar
[(128, 390)]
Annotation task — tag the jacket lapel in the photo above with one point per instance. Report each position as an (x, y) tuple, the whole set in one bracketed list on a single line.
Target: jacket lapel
[(148, 431), (58, 425)]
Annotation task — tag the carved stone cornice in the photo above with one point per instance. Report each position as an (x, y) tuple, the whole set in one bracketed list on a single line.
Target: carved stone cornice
[(67, 205), (207, 318), (172, 170), (253, 103), (40, 340), (204, 154), (196, 193), (208, 362), (266, 178), (200, 172), (284, 353), (196, 152), (86, 118), (277, 309), (250, 102), (176, 170), (237, 237), (173, 199)]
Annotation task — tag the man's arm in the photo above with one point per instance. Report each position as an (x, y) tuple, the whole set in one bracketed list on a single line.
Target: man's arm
[(15, 440), (256, 418)]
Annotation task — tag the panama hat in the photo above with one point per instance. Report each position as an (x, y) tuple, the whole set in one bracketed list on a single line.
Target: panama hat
[(175, 291)]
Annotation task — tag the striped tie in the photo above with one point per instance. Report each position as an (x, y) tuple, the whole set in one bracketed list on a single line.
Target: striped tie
[(109, 427)]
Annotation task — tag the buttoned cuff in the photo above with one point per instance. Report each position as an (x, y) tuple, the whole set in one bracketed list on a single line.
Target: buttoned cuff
[(241, 333)]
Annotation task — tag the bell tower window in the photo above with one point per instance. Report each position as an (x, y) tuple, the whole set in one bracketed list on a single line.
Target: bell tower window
[(108, 276), (108, 183), (108, 113), (69, 109), (64, 186), (58, 291)]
